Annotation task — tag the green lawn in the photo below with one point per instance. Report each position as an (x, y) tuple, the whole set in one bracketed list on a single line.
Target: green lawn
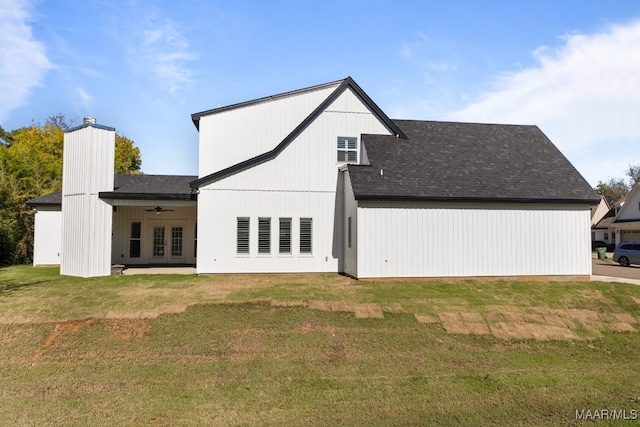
[(305, 350)]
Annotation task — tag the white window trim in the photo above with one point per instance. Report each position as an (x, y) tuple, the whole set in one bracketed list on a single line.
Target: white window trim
[(348, 150), (310, 253)]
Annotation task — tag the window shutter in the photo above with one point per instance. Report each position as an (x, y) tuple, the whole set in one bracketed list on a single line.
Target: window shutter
[(243, 235), (285, 235), (306, 235), (264, 235)]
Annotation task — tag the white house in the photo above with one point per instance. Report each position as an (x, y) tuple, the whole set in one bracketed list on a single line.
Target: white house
[(321, 180), (622, 222)]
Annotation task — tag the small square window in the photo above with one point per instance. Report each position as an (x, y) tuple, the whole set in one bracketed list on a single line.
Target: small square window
[(347, 149)]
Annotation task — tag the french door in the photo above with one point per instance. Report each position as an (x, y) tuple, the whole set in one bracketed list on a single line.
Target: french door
[(167, 243)]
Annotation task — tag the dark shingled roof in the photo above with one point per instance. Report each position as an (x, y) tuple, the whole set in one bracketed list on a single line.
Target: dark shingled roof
[(467, 162), (155, 187), (51, 199)]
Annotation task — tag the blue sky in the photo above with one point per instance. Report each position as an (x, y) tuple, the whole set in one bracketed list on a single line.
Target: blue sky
[(571, 67)]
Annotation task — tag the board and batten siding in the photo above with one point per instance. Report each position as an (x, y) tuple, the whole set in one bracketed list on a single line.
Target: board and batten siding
[(217, 253), (86, 220), (303, 181), (47, 234), (230, 137), (416, 239)]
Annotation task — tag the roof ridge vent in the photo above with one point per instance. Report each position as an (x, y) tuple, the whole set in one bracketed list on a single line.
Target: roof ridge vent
[(89, 121)]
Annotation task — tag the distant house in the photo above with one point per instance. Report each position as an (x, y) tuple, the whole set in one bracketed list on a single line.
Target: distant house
[(597, 213), (622, 222), (321, 180)]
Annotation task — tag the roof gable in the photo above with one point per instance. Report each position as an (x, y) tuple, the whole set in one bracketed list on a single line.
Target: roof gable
[(467, 162), (347, 83), (630, 206)]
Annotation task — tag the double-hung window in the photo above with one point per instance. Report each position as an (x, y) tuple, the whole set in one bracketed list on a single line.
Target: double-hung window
[(347, 149), (242, 245)]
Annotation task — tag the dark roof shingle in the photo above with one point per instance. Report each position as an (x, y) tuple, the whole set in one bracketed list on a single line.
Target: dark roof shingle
[(467, 162), (156, 187)]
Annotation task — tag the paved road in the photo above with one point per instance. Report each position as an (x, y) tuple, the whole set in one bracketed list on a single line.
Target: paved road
[(609, 268)]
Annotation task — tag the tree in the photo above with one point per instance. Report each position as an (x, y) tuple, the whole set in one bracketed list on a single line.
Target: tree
[(31, 166), (633, 172), (5, 137), (612, 190), (127, 159)]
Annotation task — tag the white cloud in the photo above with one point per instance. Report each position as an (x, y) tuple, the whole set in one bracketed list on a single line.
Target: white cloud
[(584, 94), (163, 50), (85, 100), (23, 60)]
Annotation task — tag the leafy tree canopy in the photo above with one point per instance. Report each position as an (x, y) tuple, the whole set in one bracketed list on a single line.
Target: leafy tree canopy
[(31, 166), (612, 190), (633, 172), (617, 188)]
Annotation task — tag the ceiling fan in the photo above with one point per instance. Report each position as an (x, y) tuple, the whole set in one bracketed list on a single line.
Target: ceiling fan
[(158, 210)]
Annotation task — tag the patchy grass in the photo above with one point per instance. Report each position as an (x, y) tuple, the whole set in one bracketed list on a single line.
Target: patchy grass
[(253, 364), (506, 309), (312, 350)]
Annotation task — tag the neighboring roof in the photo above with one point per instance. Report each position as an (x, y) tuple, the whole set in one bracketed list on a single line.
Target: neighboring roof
[(447, 161), (147, 187), (345, 84), (606, 220)]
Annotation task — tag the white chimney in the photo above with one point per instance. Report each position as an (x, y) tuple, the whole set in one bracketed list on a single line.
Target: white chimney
[(86, 219)]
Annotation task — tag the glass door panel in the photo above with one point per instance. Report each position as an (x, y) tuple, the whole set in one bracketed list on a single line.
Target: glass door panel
[(158, 241), (176, 242)]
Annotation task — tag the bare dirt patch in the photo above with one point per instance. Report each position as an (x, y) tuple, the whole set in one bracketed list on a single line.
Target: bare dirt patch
[(61, 329), (130, 328)]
